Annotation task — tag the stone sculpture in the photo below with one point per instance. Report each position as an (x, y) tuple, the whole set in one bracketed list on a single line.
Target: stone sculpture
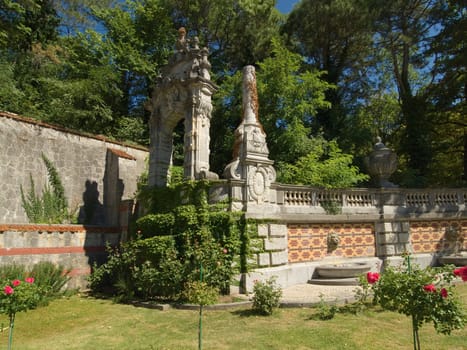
[(183, 92)]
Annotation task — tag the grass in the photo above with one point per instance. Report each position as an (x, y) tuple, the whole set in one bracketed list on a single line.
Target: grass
[(79, 322)]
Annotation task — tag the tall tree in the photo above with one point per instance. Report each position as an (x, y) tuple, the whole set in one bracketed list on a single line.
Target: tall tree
[(288, 103), (448, 93), (25, 22), (237, 32), (405, 31), (336, 37)]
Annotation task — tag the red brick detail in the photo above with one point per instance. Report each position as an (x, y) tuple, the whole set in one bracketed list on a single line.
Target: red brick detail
[(58, 228), (79, 272), (50, 250)]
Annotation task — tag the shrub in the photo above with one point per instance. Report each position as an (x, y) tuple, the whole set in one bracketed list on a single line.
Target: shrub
[(22, 290), (17, 296), (266, 296), (51, 207), (426, 295), (156, 225), (50, 278), (200, 293), (326, 311), (144, 268)]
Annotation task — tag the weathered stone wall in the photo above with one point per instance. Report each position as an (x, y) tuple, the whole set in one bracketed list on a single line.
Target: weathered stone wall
[(75, 247), (91, 168)]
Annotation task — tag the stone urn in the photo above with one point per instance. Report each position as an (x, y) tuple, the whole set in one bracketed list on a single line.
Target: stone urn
[(381, 164)]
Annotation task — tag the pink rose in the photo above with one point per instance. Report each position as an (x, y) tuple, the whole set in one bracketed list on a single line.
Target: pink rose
[(372, 277), (225, 251), (430, 288), (16, 283), (8, 290), (444, 292), (29, 280)]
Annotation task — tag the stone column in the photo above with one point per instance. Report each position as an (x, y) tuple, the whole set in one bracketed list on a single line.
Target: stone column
[(251, 163)]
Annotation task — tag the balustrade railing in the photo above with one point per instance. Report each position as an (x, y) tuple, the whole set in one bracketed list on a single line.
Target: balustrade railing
[(358, 197)]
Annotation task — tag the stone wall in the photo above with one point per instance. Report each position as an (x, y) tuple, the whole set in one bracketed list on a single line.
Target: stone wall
[(375, 226), (75, 247), (97, 173)]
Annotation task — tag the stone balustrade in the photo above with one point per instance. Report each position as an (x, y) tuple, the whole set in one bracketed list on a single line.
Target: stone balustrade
[(296, 199)]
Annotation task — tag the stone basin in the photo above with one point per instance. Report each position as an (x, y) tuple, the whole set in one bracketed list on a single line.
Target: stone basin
[(344, 270), (454, 259)]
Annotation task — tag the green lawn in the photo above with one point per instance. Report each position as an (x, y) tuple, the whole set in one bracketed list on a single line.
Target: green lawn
[(79, 323)]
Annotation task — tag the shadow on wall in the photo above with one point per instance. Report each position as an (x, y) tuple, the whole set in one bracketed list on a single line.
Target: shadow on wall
[(92, 211)]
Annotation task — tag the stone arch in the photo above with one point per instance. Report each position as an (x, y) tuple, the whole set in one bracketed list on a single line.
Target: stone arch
[(182, 92)]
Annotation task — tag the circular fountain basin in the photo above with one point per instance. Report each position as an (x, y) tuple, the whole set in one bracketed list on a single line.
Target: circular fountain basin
[(344, 270), (458, 259)]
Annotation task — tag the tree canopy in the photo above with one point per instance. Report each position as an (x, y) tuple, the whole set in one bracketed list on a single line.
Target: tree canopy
[(351, 71)]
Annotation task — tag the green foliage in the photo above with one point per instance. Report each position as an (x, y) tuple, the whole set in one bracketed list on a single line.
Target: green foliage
[(156, 225), (146, 268), (325, 166), (426, 295), (18, 295), (200, 293), (266, 296), (325, 310), (172, 245), (403, 291), (336, 38), (51, 207), (50, 279), (228, 28)]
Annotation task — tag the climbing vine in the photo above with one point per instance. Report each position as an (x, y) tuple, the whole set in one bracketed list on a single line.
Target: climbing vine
[(183, 232)]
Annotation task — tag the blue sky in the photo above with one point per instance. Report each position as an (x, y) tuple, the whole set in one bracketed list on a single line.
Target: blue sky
[(285, 6)]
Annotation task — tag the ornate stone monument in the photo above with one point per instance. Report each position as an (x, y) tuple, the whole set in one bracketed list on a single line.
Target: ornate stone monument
[(183, 92), (250, 156)]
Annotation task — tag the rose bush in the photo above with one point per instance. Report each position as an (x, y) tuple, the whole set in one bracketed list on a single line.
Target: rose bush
[(18, 296), (426, 295)]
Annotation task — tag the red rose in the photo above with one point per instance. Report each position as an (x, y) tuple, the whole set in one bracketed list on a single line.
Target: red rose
[(8, 290), (372, 277), (16, 283), (29, 280), (444, 292), (430, 288), (461, 272)]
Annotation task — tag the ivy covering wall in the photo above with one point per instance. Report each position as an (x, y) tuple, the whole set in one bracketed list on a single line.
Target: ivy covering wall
[(181, 234)]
